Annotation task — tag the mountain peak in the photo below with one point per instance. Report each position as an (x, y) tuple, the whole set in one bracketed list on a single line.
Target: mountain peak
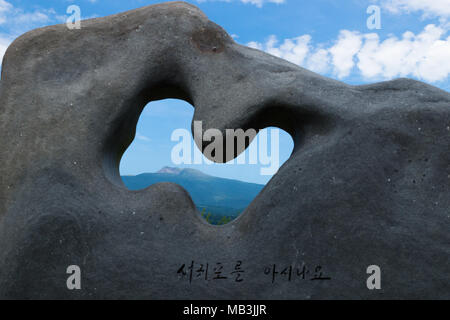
[(193, 172), (180, 171), (170, 170)]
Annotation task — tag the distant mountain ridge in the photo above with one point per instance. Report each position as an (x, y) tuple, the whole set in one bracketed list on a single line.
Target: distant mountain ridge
[(170, 170), (219, 196)]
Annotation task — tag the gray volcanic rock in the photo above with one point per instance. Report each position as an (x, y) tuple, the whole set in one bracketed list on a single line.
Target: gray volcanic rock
[(368, 182)]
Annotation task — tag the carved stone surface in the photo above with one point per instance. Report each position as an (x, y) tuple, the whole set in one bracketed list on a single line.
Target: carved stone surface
[(368, 182)]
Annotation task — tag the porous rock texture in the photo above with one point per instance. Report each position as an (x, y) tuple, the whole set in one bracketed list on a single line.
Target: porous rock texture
[(368, 182)]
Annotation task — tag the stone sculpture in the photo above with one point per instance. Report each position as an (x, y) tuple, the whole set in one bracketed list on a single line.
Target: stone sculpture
[(368, 182)]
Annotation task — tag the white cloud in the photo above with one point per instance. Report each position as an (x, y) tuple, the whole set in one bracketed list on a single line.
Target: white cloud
[(258, 3), (18, 21), (142, 137), (294, 50), (297, 50), (424, 56), (430, 8), (4, 8), (318, 61), (5, 41), (343, 52), (15, 21)]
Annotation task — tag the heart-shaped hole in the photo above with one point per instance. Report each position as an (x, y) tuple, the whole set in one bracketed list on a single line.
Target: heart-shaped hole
[(164, 150)]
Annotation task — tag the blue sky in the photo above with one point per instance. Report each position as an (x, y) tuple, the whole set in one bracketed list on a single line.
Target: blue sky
[(330, 37)]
